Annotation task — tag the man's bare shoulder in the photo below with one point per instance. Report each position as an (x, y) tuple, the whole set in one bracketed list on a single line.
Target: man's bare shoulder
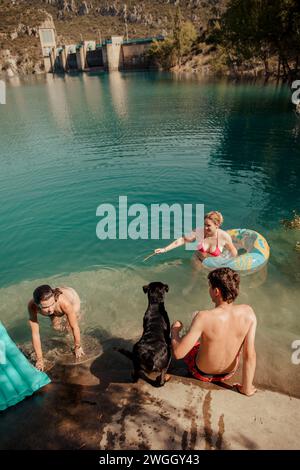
[(246, 310), (200, 315)]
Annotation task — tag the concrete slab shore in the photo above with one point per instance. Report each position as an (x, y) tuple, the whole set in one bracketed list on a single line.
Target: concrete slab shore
[(95, 406)]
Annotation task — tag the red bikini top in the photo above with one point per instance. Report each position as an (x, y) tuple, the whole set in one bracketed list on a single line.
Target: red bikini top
[(217, 251)]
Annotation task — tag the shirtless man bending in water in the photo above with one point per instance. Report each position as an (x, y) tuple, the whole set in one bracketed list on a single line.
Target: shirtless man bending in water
[(55, 304), (212, 346)]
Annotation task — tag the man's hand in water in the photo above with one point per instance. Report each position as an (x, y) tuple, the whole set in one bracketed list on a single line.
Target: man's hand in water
[(40, 364), (241, 389), (78, 351)]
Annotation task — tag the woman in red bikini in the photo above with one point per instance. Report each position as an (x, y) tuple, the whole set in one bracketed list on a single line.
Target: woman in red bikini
[(213, 244)]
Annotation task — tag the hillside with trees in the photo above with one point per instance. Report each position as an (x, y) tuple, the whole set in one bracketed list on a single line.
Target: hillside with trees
[(219, 37)]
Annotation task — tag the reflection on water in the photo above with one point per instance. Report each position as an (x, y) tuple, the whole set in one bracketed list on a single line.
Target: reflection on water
[(296, 129), (117, 86), (71, 143), (93, 92), (58, 103)]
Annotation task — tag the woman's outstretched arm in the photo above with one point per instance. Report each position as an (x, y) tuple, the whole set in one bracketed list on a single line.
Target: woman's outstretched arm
[(179, 242)]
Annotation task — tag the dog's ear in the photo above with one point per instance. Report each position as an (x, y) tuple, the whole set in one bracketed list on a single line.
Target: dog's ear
[(166, 287), (145, 289)]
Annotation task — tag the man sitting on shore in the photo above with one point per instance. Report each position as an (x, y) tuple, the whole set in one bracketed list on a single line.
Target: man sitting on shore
[(212, 346)]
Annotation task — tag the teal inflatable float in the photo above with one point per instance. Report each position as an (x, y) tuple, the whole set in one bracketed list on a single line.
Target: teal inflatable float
[(18, 378), (255, 255)]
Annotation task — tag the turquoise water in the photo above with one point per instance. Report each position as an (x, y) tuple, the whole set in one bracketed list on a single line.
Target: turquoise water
[(71, 143)]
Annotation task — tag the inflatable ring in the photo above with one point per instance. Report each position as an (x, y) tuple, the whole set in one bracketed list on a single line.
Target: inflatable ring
[(256, 252)]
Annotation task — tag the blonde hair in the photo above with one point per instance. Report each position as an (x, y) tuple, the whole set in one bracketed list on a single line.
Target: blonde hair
[(215, 216)]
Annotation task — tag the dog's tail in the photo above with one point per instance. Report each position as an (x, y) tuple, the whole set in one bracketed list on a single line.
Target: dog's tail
[(126, 353)]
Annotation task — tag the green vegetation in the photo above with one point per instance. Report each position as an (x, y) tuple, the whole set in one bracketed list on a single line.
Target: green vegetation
[(259, 36), (254, 31), (171, 51)]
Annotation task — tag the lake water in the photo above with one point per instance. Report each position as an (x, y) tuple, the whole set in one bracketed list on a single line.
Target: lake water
[(71, 143)]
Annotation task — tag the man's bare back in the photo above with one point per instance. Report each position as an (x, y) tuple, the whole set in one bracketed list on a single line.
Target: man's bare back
[(222, 329), (222, 332)]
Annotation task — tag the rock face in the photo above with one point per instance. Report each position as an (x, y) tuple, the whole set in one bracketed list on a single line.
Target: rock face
[(67, 7), (83, 9), (13, 35), (22, 30), (64, 5), (12, 65), (25, 57), (134, 14), (8, 64)]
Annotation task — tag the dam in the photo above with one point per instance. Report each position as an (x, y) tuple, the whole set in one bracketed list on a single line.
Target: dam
[(111, 54)]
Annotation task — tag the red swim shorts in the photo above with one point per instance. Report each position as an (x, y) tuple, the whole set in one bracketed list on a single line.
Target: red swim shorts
[(190, 360)]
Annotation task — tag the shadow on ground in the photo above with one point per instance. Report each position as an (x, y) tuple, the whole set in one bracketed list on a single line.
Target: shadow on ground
[(96, 406)]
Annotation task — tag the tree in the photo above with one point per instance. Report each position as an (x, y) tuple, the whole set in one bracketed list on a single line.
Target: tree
[(170, 52), (184, 35), (162, 53), (253, 29)]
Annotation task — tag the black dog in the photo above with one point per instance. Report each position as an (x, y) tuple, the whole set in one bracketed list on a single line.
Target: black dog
[(152, 353)]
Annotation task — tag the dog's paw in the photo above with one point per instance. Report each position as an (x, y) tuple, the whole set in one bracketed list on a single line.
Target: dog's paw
[(160, 381)]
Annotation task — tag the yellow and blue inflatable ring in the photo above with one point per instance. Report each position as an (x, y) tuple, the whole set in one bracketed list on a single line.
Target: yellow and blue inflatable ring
[(256, 252)]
